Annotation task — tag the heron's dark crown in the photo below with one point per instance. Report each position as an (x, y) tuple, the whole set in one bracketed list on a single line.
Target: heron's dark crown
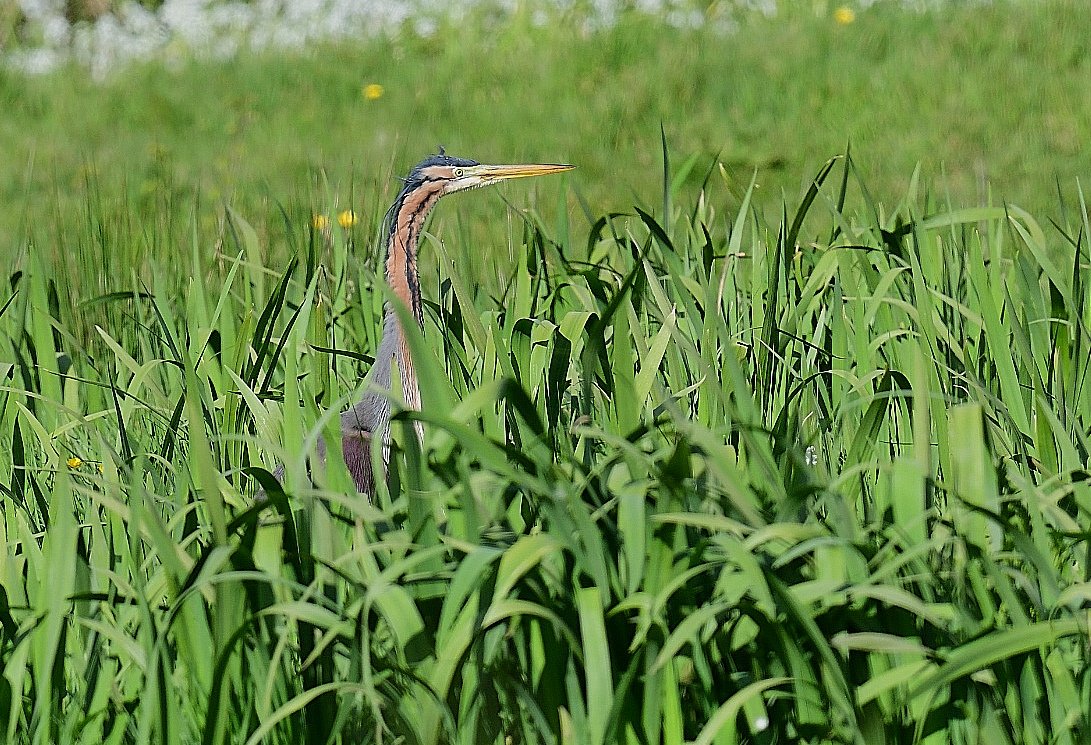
[(437, 160)]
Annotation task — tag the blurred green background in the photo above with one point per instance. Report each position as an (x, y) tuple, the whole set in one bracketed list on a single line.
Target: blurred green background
[(992, 100)]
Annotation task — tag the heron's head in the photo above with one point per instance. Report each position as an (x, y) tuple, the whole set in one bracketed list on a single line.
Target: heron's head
[(455, 174)]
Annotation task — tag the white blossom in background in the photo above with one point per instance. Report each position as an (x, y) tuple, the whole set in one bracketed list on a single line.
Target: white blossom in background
[(221, 28)]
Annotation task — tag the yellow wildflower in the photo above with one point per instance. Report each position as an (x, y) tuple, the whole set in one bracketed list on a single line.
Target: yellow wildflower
[(346, 219), (320, 222), (373, 91), (844, 15), (74, 462)]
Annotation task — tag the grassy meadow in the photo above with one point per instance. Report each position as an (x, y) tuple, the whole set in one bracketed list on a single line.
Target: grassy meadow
[(768, 424)]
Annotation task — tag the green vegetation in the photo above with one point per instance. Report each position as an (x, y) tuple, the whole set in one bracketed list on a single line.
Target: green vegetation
[(992, 100), (729, 467)]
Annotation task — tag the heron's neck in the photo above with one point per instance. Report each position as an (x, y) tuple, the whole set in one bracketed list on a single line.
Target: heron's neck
[(372, 412), (406, 221)]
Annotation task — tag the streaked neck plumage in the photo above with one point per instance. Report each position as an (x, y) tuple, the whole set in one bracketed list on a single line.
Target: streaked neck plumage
[(404, 223)]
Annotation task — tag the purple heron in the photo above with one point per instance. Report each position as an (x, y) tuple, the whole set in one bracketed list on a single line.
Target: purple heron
[(431, 179)]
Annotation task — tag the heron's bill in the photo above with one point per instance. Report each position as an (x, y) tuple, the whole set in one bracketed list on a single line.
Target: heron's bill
[(498, 173)]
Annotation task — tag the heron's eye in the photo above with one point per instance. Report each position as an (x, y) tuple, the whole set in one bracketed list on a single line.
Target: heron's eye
[(458, 172)]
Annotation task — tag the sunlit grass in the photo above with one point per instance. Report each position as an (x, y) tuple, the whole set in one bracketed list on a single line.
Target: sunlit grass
[(690, 476), (991, 99), (706, 459)]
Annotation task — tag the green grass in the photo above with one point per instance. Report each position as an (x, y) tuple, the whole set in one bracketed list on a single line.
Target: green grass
[(613, 533), (990, 98), (730, 467)]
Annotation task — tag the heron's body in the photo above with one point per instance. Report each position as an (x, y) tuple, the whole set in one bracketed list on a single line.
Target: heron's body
[(430, 180)]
